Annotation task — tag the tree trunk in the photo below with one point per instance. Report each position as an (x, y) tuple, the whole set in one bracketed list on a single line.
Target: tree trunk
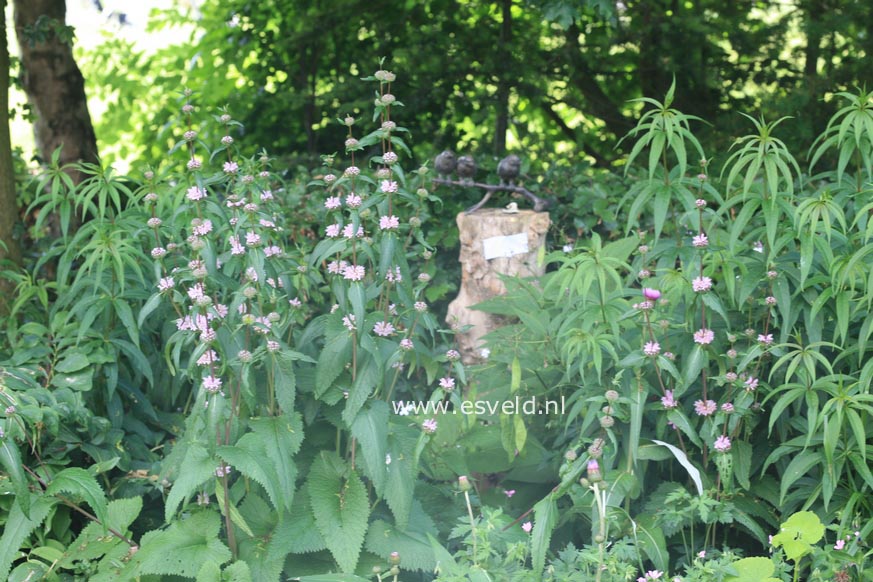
[(504, 83), (9, 248), (54, 85)]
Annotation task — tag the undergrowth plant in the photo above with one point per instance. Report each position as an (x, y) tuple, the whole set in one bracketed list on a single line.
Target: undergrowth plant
[(212, 373)]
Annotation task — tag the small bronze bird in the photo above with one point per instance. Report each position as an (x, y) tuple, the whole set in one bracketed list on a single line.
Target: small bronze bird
[(508, 169), (466, 169), (445, 164)]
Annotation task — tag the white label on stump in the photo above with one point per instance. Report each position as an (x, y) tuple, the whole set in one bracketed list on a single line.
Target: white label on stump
[(505, 246)]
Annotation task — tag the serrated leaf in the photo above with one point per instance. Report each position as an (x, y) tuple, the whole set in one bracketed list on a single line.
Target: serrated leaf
[(341, 508), (238, 572), (545, 519), (10, 459), (400, 487), (337, 352), (249, 457), (197, 468), (181, 549), (18, 527), (445, 561), (298, 533), (366, 380), (284, 382), (282, 437), (330, 578), (235, 516), (412, 543), (370, 428), (92, 542), (209, 572), (81, 484)]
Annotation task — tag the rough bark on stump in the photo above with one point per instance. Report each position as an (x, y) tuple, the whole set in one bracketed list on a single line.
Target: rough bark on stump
[(480, 277)]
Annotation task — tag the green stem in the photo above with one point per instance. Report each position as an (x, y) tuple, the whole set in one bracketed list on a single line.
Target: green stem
[(472, 528)]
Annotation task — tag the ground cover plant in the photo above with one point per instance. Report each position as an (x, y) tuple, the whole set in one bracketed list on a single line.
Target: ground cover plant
[(215, 381)]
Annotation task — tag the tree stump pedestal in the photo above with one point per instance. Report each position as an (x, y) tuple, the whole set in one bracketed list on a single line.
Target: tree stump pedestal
[(494, 242)]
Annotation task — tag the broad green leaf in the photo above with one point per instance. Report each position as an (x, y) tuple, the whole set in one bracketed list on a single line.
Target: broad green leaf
[(297, 533), (337, 352), (80, 484), (755, 569), (340, 506), (249, 457), (93, 542), (412, 544), (197, 468), (282, 437), (182, 549), (18, 528), (370, 428)]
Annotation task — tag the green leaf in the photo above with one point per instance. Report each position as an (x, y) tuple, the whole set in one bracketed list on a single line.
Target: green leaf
[(402, 472), (741, 454), (10, 458), (93, 543), (18, 528), (330, 578), (235, 516), (545, 519), (237, 572), (341, 508), (249, 457), (73, 362), (282, 437), (358, 299), (797, 468), (284, 382), (197, 468), (693, 472), (81, 484), (695, 363), (368, 377), (445, 562), (153, 302), (371, 430), (412, 542), (180, 550), (753, 570), (209, 572), (298, 533), (337, 352)]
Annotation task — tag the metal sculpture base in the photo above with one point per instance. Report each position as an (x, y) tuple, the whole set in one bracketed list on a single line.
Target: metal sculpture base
[(540, 204)]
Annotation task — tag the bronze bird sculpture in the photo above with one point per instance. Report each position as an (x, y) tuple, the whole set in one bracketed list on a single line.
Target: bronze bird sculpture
[(508, 169), (445, 163), (466, 169)]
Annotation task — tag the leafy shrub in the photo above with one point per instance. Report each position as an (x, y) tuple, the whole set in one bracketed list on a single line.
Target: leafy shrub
[(216, 383)]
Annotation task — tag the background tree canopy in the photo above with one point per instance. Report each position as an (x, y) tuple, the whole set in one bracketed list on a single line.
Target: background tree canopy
[(554, 78)]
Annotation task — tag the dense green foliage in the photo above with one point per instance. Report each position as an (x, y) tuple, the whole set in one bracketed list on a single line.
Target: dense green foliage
[(215, 383), (212, 367), (552, 78)]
